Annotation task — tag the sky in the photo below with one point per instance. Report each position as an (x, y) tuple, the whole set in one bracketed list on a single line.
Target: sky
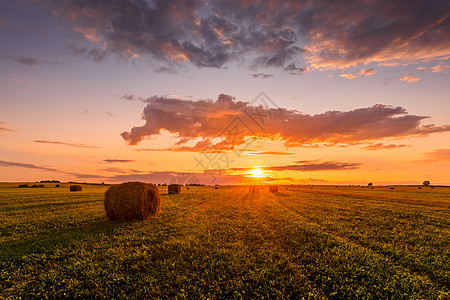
[(172, 91)]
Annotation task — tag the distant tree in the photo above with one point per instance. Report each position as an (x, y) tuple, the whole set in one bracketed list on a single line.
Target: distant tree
[(370, 184), (426, 183)]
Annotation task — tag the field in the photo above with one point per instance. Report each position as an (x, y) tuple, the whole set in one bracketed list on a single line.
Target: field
[(324, 242)]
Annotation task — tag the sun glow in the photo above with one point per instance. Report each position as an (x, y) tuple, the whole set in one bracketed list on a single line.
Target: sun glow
[(257, 172)]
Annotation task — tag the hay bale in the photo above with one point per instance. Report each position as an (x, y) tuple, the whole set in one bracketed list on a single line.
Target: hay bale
[(76, 188), (57, 185), (254, 189), (174, 189), (23, 185), (132, 200), (273, 188), (391, 188), (216, 188)]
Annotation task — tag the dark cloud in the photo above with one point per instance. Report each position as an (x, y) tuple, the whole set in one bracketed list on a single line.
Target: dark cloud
[(28, 61), (234, 121), (95, 54), (307, 166), (118, 160), (381, 146), (276, 34), (262, 75), (66, 144), (9, 164)]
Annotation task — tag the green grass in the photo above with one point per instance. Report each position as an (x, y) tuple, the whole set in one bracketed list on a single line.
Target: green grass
[(320, 243)]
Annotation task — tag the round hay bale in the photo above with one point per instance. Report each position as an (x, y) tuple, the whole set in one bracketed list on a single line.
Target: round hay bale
[(273, 188), (76, 188), (174, 189), (132, 200), (216, 188)]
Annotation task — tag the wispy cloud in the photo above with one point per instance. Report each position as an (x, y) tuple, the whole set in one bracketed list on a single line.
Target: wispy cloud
[(271, 153), (28, 61), (207, 119), (409, 78), (111, 160), (368, 72), (439, 154), (381, 146), (66, 144), (348, 76), (440, 68), (121, 171), (6, 129), (10, 164)]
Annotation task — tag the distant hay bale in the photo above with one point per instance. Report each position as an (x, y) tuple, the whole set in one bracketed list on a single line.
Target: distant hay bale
[(273, 188), (57, 185), (132, 200), (216, 188), (23, 185), (254, 189), (76, 188), (174, 189), (391, 188)]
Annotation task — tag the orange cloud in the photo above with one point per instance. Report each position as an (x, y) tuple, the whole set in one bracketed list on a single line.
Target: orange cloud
[(368, 72), (381, 146), (440, 68), (409, 78), (439, 154), (348, 76), (66, 144), (236, 121)]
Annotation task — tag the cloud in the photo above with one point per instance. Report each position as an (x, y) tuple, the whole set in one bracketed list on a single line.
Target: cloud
[(118, 160), (348, 76), (368, 72), (121, 171), (269, 33), (439, 154), (409, 78), (262, 75), (234, 122), (361, 73), (312, 180), (421, 68), (28, 61), (9, 164), (440, 68), (5, 129), (66, 144), (308, 166), (381, 146), (271, 153)]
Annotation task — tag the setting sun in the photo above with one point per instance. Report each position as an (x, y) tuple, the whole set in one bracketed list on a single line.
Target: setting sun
[(257, 172)]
